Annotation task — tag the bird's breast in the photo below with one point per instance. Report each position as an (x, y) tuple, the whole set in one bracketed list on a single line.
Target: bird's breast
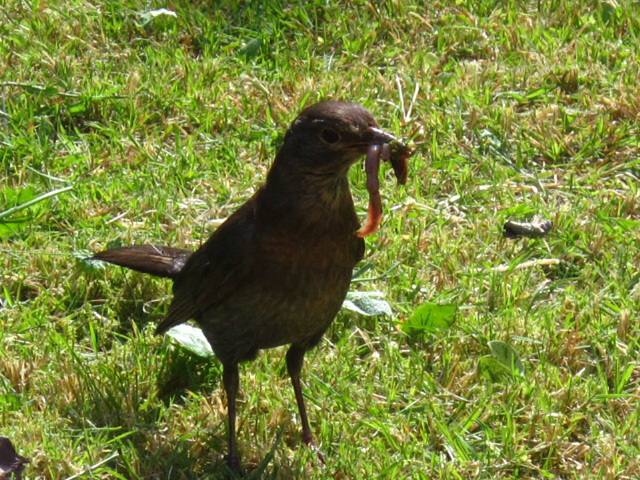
[(291, 294)]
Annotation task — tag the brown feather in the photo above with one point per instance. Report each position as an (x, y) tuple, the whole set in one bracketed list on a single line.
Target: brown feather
[(152, 259)]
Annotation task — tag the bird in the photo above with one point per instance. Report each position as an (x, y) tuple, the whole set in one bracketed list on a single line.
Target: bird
[(277, 271), (10, 461)]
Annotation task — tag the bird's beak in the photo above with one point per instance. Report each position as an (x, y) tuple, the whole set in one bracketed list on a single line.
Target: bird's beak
[(377, 136)]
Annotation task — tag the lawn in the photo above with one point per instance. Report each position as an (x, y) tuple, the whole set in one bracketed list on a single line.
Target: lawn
[(126, 122)]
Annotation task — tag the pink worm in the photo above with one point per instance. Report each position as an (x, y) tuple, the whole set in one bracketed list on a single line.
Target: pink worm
[(398, 156), (371, 167)]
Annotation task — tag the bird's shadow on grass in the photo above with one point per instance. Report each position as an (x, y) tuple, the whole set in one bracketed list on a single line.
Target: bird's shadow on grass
[(184, 372), (111, 408), (187, 372)]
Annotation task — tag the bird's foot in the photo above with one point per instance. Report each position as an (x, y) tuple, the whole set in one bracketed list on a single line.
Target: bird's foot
[(308, 441), (319, 454)]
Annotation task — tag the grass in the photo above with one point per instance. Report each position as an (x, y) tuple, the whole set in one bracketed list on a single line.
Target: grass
[(162, 126)]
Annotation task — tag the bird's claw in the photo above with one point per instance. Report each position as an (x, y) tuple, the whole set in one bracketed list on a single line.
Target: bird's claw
[(319, 454)]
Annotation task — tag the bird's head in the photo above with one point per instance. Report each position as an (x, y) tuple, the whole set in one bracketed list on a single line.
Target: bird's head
[(319, 147), (328, 137)]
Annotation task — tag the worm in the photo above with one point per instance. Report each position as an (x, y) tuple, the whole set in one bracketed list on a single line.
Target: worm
[(398, 155), (371, 167)]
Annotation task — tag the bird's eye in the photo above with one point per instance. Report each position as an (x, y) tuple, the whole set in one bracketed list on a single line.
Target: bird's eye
[(329, 135)]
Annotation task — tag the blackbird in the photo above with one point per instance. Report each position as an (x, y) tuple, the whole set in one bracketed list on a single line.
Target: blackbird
[(278, 269)]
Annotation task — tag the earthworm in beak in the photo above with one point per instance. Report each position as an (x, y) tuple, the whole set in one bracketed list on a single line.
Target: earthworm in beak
[(398, 155)]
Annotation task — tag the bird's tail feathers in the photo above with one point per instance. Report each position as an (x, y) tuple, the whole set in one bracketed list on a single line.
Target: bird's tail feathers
[(152, 259)]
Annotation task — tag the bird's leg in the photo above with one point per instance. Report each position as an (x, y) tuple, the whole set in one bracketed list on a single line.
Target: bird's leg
[(295, 359), (231, 380)]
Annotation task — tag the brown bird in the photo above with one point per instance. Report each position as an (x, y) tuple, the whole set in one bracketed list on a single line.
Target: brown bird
[(278, 269)]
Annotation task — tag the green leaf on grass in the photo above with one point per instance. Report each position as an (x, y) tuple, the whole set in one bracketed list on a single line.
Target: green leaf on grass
[(78, 108), (432, 59), (11, 201), (609, 10), (507, 355), (24, 201), (492, 369), (10, 401), (192, 339), (148, 17), (251, 48), (430, 318), (367, 303), (161, 18), (11, 197)]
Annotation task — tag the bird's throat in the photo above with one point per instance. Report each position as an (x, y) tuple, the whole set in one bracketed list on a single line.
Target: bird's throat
[(322, 203)]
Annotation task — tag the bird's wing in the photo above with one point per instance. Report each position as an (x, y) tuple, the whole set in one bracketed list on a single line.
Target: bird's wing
[(215, 270)]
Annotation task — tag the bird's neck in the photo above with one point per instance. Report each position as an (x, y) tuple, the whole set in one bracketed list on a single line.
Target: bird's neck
[(305, 201)]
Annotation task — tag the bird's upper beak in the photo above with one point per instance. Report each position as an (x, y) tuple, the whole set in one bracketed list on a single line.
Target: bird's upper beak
[(373, 135), (377, 136)]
